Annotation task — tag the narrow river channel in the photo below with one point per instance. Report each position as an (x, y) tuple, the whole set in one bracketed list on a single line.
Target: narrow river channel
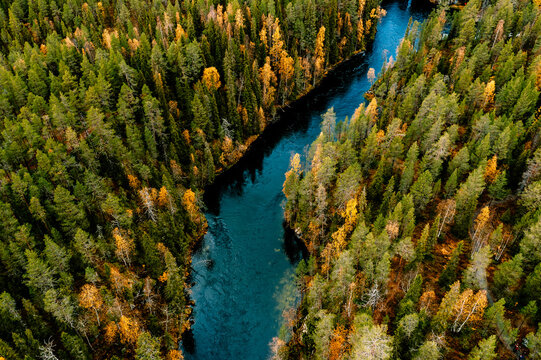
[(243, 271)]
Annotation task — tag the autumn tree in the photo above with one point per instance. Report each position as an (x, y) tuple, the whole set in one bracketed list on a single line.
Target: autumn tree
[(124, 246), (480, 225), (268, 78), (129, 329), (189, 202), (211, 78), (319, 53), (468, 308), (90, 298)]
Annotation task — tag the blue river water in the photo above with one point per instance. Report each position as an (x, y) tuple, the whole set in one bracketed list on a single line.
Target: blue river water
[(243, 270)]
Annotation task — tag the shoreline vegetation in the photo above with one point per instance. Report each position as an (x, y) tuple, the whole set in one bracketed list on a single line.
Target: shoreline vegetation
[(422, 213), (115, 115)]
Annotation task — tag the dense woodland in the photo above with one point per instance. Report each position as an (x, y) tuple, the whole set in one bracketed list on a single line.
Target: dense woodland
[(114, 115), (422, 212)]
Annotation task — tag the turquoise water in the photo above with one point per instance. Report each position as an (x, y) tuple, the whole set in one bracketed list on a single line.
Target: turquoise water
[(243, 271)]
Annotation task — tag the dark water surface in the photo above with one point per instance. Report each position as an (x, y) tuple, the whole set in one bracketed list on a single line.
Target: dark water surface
[(243, 272)]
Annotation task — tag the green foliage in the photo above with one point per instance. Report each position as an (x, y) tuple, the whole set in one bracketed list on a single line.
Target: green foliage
[(485, 350), (449, 273), (451, 128), (107, 119)]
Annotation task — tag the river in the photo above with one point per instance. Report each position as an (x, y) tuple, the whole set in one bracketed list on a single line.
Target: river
[(243, 270)]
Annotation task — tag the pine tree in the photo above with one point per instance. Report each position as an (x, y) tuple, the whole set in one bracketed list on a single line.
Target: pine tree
[(148, 347), (68, 213), (485, 350), (466, 199), (422, 191)]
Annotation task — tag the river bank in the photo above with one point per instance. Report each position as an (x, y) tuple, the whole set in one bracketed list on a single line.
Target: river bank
[(243, 265)]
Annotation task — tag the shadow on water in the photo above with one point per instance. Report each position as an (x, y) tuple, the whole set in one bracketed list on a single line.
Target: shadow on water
[(292, 119), (296, 117), (294, 248), (243, 271)]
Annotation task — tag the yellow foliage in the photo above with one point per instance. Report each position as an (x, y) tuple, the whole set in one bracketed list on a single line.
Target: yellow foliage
[(469, 308), (180, 33), (337, 346), (107, 37), (134, 182), (211, 78), (293, 171), (124, 246), (239, 19), (488, 94), (110, 332), (380, 136), (428, 301), (368, 25), (361, 7), (320, 51), (482, 218), (538, 67), (268, 78), (119, 281), (189, 202), (263, 36), (163, 277), (277, 43), (174, 355), (163, 197), (161, 248), (296, 163), (350, 215), (153, 194), (372, 109), (90, 297), (129, 330), (186, 135), (320, 43), (326, 254), (491, 171), (286, 66)]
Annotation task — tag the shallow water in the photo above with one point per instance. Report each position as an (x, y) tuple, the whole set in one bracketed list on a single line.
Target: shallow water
[(243, 271)]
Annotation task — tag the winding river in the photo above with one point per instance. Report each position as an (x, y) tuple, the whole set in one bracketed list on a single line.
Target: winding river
[(243, 270)]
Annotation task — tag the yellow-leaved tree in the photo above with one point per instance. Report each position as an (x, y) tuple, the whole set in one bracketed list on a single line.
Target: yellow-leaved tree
[(211, 78), (124, 246), (320, 53), (469, 308), (189, 202), (90, 298), (350, 216), (129, 329), (488, 94), (268, 78)]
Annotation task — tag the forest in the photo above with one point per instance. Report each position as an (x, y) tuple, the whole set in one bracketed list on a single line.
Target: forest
[(422, 211), (114, 116)]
